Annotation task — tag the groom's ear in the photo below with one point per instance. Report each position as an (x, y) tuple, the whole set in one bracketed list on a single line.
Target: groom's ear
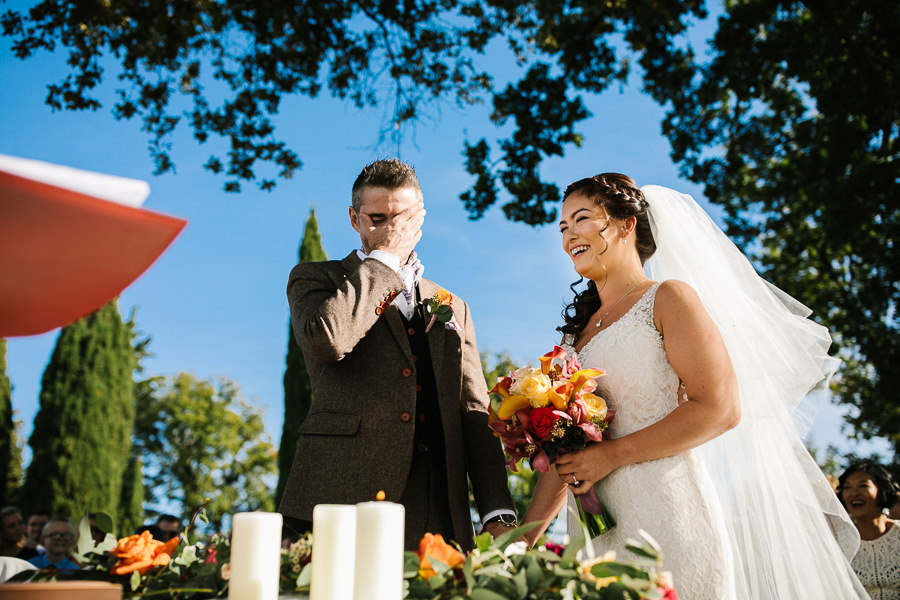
[(354, 219)]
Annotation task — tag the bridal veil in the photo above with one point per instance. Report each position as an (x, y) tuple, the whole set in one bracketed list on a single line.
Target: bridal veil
[(790, 536)]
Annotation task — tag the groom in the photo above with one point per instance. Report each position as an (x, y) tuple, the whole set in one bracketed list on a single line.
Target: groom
[(395, 408)]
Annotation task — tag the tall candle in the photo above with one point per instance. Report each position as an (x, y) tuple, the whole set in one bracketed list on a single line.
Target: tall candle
[(379, 551), (255, 556), (333, 552)]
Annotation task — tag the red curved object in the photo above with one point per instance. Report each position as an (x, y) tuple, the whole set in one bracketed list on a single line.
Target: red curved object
[(64, 254)]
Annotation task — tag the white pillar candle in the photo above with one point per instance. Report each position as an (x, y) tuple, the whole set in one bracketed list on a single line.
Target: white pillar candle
[(255, 556), (333, 552), (379, 551)]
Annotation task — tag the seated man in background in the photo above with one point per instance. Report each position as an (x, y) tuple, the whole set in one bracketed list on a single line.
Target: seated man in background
[(58, 539)]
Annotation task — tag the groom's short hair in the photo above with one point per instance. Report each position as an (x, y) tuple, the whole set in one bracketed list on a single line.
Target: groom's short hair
[(388, 173)]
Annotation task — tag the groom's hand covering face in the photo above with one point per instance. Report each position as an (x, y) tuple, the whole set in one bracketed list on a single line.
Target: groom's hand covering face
[(389, 220)]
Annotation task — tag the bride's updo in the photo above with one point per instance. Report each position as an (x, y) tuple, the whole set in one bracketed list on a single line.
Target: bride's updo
[(621, 197)]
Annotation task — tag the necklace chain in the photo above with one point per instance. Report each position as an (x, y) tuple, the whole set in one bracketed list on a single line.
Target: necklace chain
[(600, 320)]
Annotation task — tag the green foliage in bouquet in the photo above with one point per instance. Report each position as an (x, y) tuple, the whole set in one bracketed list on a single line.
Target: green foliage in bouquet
[(498, 570)]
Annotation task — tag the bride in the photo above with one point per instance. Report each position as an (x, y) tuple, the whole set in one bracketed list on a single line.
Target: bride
[(707, 367)]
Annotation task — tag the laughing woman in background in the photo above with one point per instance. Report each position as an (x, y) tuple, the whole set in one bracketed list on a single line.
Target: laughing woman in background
[(867, 490)]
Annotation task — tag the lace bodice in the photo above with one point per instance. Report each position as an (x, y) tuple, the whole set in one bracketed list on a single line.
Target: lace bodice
[(647, 394), (878, 565)]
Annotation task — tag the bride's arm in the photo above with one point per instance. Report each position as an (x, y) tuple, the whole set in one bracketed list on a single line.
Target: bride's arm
[(697, 353), (548, 499)]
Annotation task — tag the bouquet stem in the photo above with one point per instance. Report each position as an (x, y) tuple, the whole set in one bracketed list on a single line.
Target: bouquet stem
[(593, 514)]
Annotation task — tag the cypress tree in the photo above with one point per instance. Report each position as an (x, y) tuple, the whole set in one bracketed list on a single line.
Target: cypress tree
[(7, 428), (297, 391), (81, 441), (131, 505)]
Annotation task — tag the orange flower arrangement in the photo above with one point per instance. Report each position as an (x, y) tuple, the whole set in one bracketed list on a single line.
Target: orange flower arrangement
[(140, 552), (434, 546)]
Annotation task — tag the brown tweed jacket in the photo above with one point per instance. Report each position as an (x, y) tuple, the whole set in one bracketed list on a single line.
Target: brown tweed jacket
[(358, 436)]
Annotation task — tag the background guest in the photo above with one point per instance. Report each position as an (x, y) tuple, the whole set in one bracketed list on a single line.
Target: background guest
[(58, 538), (164, 529), (867, 491), (34, 528), (12, 531), (167, 526)]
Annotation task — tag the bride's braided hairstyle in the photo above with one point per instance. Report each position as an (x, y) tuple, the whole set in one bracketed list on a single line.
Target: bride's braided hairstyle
[(622, 198)]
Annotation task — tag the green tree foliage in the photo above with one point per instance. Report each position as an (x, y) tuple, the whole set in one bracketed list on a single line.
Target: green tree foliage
[(7, 429), (231, 63), (793, 126), (200, 440), (131, 504), (81, 441), (297, 390)]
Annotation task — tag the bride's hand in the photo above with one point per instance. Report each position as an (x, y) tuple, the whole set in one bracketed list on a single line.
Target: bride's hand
[(587, 467)]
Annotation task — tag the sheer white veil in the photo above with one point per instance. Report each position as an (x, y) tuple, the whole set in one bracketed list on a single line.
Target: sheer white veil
[(790, 536)]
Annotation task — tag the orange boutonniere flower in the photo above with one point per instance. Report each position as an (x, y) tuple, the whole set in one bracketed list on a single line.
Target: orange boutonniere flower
[(440, 307), (141, 553), (434, 547)]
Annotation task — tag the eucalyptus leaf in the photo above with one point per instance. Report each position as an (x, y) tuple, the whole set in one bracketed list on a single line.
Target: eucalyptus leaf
[(304, 577), (534, 573), (615, 569), (410, 564), (483, 542), (187, 557), (135, 581), (85, 540), (505, 539), (521, 581), (437, 581), (443, 313), (486, 594), (104, 522)]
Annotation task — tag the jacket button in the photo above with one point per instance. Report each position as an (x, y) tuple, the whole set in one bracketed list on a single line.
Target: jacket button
[(421, 447), (406, 372), (405, 416), (418, 388), (421, 418), (411, 331)]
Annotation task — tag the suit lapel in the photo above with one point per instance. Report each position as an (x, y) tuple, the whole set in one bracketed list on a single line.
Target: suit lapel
[(391, 315), (436, 337)]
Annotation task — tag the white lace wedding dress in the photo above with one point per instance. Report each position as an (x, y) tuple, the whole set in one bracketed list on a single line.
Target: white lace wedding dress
[(673, 499)]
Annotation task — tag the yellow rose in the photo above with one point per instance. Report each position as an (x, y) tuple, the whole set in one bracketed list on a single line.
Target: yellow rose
[(533, 384), (596, 406)]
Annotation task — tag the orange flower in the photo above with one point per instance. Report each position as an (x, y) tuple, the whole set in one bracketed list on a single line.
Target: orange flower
[(140, 552), (434, 546)]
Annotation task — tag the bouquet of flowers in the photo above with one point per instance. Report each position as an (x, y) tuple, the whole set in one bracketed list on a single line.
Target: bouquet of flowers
[(547, 411)]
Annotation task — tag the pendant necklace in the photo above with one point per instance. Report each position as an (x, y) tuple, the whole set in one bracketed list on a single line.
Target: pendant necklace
[(600, 320)]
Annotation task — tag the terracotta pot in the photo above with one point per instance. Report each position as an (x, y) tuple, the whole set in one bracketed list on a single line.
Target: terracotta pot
[(61, 590)]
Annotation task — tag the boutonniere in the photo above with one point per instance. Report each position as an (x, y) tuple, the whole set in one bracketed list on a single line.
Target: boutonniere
[(440, 307)]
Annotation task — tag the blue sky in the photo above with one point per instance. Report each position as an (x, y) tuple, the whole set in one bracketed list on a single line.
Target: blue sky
[(215, 304)]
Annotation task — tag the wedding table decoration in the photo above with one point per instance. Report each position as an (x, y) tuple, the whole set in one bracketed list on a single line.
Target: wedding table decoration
[(497, 569)]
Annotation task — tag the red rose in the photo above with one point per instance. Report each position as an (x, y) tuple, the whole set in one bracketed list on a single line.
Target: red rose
[(542, 420)]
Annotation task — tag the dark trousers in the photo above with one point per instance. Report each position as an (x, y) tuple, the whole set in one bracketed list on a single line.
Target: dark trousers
[(426, 501)]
